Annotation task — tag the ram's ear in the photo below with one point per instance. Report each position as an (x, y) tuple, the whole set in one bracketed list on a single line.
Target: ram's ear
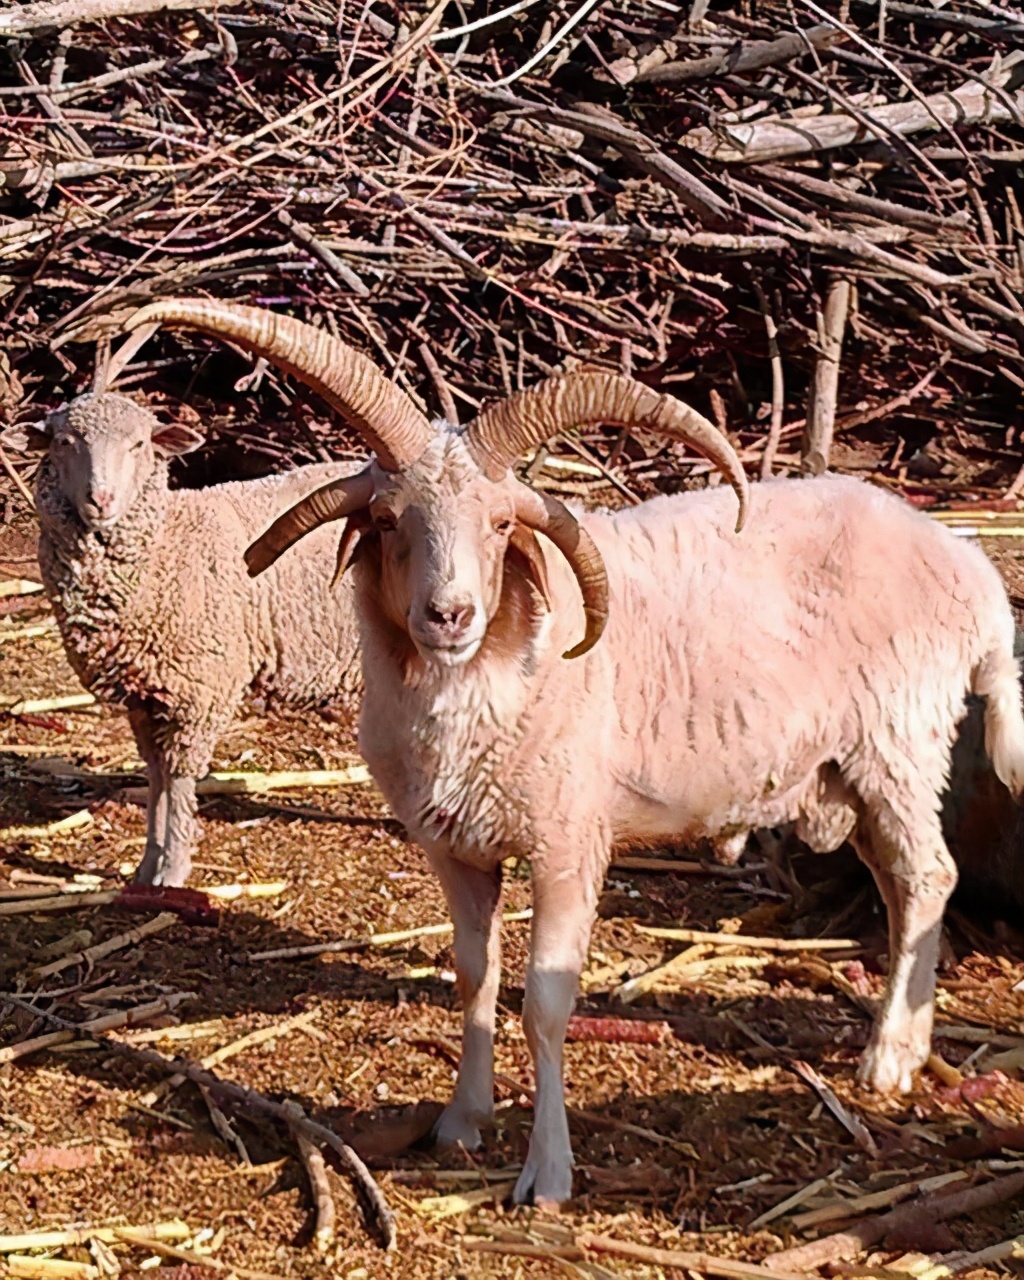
[(26, 437), (524, 548), (356, 525), (174, 438)]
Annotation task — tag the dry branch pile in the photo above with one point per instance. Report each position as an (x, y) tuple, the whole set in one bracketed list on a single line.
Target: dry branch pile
[(736, 204), (807, 222)]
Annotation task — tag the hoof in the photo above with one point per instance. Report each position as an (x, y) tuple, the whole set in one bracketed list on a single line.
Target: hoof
[(457, 1128), (161, 871), (890, 1068), (545, 1183)]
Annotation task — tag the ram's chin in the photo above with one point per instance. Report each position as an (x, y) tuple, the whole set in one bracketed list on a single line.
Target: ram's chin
[(455, 656)]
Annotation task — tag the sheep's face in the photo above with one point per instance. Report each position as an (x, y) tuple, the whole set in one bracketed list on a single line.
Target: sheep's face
[(443, 531), (103, 449)]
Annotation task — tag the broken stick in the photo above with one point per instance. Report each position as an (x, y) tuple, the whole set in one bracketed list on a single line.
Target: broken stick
[(848, 1243), (73, 1030), (821, 404), (316, 1172), (704, 1263), (102, 949), (840, 1209)]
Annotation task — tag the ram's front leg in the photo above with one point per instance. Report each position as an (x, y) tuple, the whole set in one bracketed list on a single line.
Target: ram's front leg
[(474, 901), (563, 913)]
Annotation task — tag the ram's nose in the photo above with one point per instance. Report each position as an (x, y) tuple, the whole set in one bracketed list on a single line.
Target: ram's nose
[(450, 618)]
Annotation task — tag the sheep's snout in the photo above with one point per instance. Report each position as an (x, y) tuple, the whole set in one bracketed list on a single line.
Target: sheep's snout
[(99, 509)]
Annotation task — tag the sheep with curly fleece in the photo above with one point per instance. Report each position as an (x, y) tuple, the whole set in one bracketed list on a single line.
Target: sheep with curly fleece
[(156, 610), (813, 669)]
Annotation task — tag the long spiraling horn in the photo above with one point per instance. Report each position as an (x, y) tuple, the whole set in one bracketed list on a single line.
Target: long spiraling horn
[(333, 501), (547, 515), (381, 412), (505, 431)]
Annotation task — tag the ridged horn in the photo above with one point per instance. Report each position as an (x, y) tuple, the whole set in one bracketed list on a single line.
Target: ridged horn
[(505, 431), (353, 385), (550, 517), (334, 501)]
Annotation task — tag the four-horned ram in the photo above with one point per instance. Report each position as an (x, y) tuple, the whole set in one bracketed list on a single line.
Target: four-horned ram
[(813, 669)]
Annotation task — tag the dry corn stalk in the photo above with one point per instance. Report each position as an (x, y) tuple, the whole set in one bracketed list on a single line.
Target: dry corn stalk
[(248, 1041), (742, 940), (174, 1229), (26, 1268), (73, 822), (58, 902), (241, 783), (19, 587), (109, 1022), (38, 706), (374, 940)]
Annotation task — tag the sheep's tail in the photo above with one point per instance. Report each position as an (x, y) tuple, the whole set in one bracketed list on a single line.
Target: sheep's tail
[(997, 680)]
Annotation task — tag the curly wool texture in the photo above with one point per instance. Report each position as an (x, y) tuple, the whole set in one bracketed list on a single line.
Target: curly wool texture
[(161, 609), (158, 612)]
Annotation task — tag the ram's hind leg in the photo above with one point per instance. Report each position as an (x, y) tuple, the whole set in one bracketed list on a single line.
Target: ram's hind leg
[(474, 900), (915, 874)]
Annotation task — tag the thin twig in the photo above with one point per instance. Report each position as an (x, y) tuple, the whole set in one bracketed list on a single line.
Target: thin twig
[(778, 385)]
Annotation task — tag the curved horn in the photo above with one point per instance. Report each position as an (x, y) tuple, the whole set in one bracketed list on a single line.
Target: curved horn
[(381, 412), (547, 515), (505, 431), (332, 502)]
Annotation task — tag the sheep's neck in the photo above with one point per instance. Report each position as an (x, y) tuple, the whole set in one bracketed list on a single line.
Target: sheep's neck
[(92, 576)]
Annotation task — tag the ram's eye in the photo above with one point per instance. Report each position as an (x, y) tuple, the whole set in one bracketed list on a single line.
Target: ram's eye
[(136, 446), (385, 522), (63, 442), (503, 527)]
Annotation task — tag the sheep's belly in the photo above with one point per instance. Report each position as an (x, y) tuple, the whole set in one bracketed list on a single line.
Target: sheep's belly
[(817, 800)]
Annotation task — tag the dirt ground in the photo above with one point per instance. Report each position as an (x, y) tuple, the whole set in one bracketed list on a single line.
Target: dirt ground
[(723, 1128)]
